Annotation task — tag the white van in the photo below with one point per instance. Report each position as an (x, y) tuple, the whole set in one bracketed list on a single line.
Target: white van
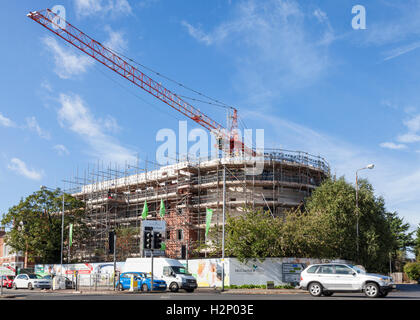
[(171, 271)]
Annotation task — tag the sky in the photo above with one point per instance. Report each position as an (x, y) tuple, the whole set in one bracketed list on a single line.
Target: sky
[(297, 69)]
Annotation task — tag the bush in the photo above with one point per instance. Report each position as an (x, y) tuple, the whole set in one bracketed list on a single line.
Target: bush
[(412, 269), (257, 286)]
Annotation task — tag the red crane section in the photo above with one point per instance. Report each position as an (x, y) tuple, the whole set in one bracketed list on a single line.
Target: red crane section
[(96, 50)]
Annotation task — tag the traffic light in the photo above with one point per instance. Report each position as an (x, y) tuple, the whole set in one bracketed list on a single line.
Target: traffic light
[(148, 238), (158, 240), (111, 242)]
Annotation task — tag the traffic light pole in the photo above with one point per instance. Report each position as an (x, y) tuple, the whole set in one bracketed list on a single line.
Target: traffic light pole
[(151, 283), (115, 258)]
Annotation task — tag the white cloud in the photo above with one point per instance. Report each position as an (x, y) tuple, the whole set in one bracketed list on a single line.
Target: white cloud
[(328, 36), (393, 146), (397, 183), (33, 125), (408, 138), (78, 118), (20, 168), (396, 52), (67, 63), (46, 85), (116, 40), (389, 104), (403, 24), (273, 51), (201, 36), (61, 150), (93, 7), (413, 124), (110, 124), (6, 122), (87, 7)]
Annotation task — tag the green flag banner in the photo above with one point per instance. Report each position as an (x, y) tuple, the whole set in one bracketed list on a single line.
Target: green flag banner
[(71, 234), (162, 209), (145, 210), (209, 214)]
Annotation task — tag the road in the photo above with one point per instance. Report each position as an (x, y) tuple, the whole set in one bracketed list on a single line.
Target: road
[(404, 292)]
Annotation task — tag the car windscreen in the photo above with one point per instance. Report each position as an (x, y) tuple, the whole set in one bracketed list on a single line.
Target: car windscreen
[(146, 275), (311, 269), (358, 270), (33, 276), (180, 270)]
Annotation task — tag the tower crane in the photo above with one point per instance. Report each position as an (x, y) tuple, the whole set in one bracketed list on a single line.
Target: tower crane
[(52, 21)]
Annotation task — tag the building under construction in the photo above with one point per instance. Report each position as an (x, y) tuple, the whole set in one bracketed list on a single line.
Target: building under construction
[(115, 198)]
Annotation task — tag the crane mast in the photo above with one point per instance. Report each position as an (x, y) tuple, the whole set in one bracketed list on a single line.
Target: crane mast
[(47, 18)]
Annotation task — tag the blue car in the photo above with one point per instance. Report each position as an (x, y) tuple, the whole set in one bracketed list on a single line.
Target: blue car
[(143, 282)]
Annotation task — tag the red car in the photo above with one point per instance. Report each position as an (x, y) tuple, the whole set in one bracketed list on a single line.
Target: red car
[(8, 281)]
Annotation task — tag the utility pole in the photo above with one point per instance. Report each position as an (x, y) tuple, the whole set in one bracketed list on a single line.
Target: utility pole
[(151, 283), (62, 239), (390, 264), (223, 227), (370, 166), (115, 257), (68, 252), (357, 217), (186, 255)]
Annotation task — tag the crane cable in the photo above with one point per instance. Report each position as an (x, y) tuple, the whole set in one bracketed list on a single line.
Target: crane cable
[(174, 81)]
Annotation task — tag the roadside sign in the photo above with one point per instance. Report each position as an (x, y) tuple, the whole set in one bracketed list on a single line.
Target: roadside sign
[(291, 272), (153, 227)]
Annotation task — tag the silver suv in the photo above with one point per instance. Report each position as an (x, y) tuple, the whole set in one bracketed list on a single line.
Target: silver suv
[(325, 279)]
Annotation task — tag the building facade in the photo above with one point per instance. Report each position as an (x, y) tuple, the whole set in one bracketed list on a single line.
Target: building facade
[(281, 181), (7, 258)]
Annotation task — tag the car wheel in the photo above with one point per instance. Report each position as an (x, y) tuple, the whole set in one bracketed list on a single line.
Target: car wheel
[(174, 287), (189, 290), (120, 287), (15, 286), (327, 293), (30, 286), (315, 289), (383, 294), (372, 290), (144, 287)]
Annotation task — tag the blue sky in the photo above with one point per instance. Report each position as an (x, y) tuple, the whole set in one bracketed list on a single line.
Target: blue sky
[(297, 69)]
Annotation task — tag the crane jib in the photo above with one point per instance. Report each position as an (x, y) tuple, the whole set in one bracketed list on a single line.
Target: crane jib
[(114, 62)]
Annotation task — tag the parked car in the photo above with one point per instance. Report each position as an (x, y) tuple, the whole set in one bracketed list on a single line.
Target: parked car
[(143, 279), (69, 283), (170, 270), (8, 281), (325, 279), (31, 281)]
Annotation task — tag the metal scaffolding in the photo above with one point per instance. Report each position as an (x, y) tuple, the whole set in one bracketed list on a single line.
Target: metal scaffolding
[(115, 195)]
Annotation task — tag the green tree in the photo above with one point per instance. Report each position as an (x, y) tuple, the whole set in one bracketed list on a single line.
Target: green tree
[(402, 240), (126, 241), (254, 235), (34, 225), (327, 226), (324, 227), (412, 269), (416, 243)]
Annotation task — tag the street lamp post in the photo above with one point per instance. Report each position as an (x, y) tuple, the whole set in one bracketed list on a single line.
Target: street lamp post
[(370, 166), (223, 228)]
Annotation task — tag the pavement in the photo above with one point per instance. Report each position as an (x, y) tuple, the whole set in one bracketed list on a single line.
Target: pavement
[(403, 292)]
